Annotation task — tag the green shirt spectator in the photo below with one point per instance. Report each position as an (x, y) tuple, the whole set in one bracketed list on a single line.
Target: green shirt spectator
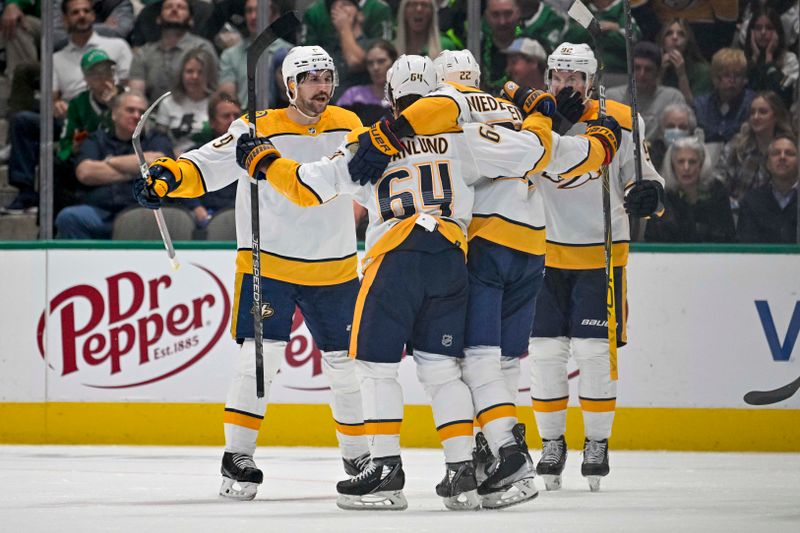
[(545, 25), (611, 16), (318, 28)]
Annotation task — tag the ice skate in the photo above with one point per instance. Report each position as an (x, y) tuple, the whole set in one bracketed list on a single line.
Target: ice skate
[(511, 482), (551, 464), (240, 476), (483, 458), (595, 462), (353, 467), (377, 487), (459, 488), (519, 437)]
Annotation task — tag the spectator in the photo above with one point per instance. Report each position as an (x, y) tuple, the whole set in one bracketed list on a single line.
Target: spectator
[(87, 112), (319, 30), (682, 65), (348, 49), (526, 63), (21, 32), (723, 111), (184, 113), (223, 109), (113, 18), (653, 97), (369, 101), (156, 64), (742, 163), (68, 82), (713, 21), (147, 29), (503, 20), (90, 109), (233, 61), (769, 213), (542, 23), (696, 205), (79, 17), (418, 28), (771, 67), (611, 15), (105, 166), (676, 122)]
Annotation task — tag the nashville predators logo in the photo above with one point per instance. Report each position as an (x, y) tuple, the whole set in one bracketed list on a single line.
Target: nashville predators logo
[(267, 310), (572, 183)]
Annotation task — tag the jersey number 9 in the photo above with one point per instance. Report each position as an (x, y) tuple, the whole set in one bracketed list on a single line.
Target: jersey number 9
[(432, 191)]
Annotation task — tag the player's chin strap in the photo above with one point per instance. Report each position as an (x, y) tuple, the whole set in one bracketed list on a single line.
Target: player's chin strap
[(309, 117)]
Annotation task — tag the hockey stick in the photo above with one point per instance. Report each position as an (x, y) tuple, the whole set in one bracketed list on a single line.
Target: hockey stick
[(758, 397), (581, 14), (638, 227), (282, 27), (145, 171)]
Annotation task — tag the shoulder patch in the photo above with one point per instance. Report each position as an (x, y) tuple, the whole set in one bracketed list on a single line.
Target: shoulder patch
[(464, 88), (619, 111), (340, 118)]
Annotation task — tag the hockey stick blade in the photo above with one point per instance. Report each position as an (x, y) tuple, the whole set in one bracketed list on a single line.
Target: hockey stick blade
[(145, 172), (581, 14), (758, 397)]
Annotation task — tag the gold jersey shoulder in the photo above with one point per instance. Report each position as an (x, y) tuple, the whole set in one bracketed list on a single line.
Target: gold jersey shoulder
[(276, 122), (619, 111)]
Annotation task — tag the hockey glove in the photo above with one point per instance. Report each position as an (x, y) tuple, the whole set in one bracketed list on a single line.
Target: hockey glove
[(608, 132), (529, 100), (254, 152), (570, 109), (144, 194), (644, 199), (376, 146)]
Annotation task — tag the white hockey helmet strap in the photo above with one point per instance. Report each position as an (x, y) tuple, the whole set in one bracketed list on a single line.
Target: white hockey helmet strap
[(458, 66), (409, 75), (302, 59), (575, 58)]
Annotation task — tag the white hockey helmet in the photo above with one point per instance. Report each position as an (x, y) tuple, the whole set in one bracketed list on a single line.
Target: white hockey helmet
[(411, 75), (302, 59), (458, 66), (573, 57)]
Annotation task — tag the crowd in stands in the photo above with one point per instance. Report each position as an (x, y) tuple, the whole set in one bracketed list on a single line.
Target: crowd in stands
[(717, 87)]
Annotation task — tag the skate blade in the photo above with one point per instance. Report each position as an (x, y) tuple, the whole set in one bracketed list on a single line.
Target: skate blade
[(552, 481), (238, 490), (378, 501), (594, 483), (466, 501), (520, 491)]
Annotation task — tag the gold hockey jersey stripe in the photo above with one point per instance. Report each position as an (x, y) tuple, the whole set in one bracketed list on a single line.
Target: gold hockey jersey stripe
[(240, 419), (583, 257), (514, 235), (283, 175), (382, 427), (351, 430), (300, 271), (496, 411), (550, 406)]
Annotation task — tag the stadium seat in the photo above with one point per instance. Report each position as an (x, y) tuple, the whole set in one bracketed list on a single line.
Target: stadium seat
[(139, 224), (222, 226)]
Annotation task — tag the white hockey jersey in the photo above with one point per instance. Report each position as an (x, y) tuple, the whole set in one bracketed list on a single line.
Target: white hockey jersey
[(306, 246), (574, 205), (431, 182), (509, 210)]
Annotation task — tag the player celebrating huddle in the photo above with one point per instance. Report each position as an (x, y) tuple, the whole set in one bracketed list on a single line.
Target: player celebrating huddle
[(308, 259), (415, 285), (571, 307)]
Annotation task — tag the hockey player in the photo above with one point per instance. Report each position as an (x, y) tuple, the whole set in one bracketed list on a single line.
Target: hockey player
[(506, 257), (407, 209), (308, 259), (415, 285), (571, 307)]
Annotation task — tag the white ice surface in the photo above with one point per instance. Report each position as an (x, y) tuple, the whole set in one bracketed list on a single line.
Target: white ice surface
[(68, 489)]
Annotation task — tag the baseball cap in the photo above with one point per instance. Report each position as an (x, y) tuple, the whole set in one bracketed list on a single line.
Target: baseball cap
[(527, 47), (94, 57)]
